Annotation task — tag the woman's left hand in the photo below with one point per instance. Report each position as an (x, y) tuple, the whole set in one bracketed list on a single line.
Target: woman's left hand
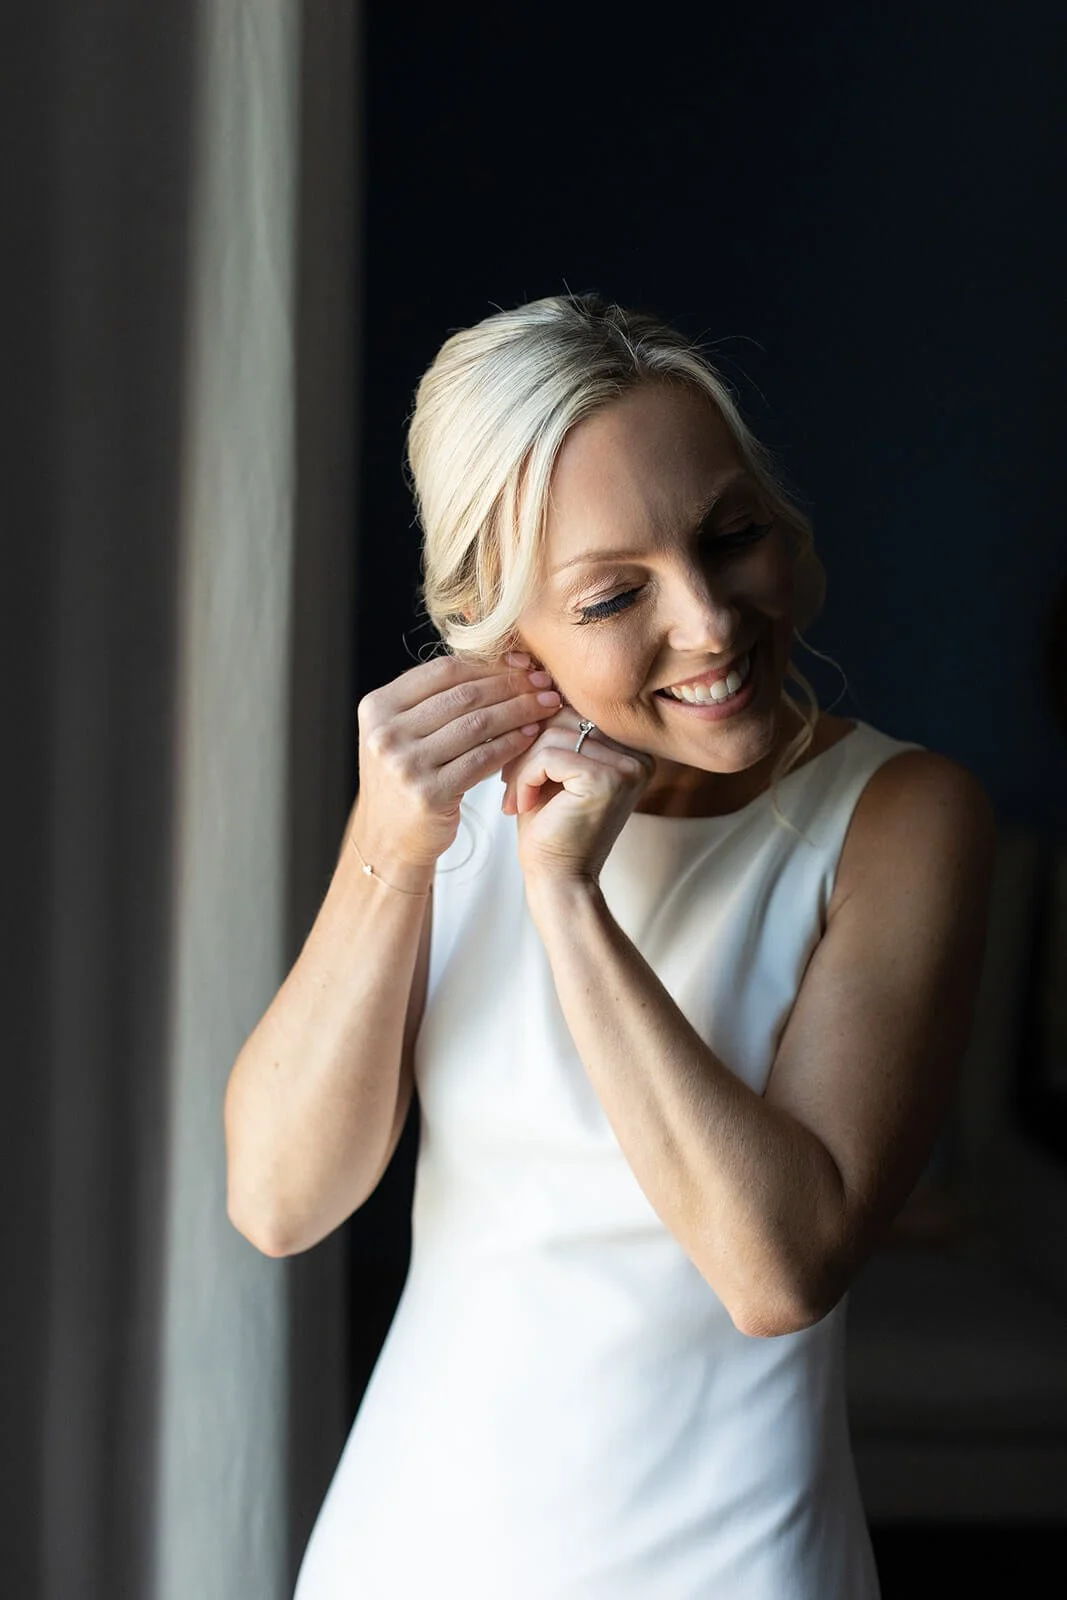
[(571, 804)]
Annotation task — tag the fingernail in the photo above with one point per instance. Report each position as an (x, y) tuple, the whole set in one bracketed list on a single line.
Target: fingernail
[(518, 658), (549, 697), (540, 679), (531, 727)]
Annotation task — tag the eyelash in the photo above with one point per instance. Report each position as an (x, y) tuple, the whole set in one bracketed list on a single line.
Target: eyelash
[(726, 545)]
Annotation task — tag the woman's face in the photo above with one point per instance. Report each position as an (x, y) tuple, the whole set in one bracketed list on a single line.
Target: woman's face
[(665, 570)]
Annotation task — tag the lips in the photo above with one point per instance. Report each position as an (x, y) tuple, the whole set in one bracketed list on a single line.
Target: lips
[(712, 675)]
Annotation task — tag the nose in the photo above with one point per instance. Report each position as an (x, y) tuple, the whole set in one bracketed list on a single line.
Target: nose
[(704, 617)]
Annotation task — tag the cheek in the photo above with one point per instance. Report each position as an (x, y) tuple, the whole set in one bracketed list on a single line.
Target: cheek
[(623, 696), (769, 583), (781, 579), (605, 667)]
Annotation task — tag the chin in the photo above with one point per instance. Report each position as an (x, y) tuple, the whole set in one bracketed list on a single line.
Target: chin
[(747, 749)]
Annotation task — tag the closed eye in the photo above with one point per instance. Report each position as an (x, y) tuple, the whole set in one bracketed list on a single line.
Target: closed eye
[(608, 607), (723, 544), (726, 543)]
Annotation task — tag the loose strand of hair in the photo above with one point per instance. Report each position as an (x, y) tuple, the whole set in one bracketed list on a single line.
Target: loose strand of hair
[(796, 747)]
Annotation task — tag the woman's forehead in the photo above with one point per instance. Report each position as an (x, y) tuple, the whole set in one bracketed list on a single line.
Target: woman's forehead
[(638, 467)]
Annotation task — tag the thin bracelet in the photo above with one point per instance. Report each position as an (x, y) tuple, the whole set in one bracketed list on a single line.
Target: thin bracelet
[(369, 870)]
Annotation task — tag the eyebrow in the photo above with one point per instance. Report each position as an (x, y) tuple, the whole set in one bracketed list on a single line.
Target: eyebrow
[(736, 480)]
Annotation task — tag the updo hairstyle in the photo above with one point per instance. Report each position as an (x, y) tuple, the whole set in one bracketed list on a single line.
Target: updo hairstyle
[(490, 416)]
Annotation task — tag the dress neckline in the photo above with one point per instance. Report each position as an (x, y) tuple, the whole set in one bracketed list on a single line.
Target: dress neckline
[(725, 818)]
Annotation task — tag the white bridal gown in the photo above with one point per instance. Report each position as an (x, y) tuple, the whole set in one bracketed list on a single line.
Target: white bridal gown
[(562, 1408)]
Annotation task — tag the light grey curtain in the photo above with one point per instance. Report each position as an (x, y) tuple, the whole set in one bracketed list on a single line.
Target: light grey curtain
[(174, 1403)]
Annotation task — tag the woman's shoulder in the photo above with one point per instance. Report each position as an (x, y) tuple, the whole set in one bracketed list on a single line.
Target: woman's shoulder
[(918, 808)]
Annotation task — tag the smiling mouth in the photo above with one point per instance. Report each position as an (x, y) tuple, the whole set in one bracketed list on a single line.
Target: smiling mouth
[(712, 692)]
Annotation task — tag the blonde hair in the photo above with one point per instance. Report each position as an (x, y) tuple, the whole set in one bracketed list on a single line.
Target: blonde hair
[(490, 416)]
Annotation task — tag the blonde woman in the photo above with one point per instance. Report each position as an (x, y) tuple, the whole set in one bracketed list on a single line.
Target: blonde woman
[(682, 968)]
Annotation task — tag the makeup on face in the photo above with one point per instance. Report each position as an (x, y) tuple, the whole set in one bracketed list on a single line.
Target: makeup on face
[(665, 614)]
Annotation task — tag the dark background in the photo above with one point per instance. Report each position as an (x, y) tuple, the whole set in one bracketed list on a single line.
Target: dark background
[(861, 210)]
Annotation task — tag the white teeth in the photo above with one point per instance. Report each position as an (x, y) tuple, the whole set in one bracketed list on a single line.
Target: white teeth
[(703, 694)]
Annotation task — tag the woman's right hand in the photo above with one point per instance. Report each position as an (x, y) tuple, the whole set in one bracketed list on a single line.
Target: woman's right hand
[(425, 739)]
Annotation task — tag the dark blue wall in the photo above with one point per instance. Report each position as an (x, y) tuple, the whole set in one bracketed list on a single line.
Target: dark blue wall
[(864, 209)]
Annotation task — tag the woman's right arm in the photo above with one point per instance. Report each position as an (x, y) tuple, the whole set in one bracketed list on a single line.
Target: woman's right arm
[(319, 1093)]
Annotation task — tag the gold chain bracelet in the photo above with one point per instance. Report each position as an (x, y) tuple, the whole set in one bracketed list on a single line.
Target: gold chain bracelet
[(419, 894)]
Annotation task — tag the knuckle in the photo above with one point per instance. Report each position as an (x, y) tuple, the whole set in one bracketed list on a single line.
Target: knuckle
[(471, 767), (476, 724), (406, 766), (447, 671), (367, 709), (463, 695), (380, 739)]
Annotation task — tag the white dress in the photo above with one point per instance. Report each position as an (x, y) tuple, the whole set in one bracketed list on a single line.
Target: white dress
[(562, 1408)]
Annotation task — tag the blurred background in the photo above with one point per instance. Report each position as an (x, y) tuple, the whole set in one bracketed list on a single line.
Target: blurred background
[(237, 232)]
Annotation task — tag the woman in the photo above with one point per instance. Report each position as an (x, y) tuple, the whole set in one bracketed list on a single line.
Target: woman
[(684, 1020)]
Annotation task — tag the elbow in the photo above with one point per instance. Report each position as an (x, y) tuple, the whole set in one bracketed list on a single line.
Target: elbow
[(786, 1278), (243, 1215), (767, 1320), (789, 1303), (270, 1237), (267, 1243), (249, 1218)]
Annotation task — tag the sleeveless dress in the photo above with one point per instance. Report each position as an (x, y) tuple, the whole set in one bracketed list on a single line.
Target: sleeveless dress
[(562, 1408)]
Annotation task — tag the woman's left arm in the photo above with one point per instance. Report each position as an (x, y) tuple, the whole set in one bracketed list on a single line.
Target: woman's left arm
[(777, 1198)]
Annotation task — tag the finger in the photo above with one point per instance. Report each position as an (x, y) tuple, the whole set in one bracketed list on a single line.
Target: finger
[(550, 764), (560, 733), (552, 769), (477, 713), (444, 672), (554, 760), (571, 720), (464, 695), (473, 766)]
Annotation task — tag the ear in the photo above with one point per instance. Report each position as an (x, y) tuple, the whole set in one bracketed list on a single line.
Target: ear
[(520, 644)]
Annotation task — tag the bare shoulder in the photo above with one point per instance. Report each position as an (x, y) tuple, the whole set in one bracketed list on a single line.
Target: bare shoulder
[(919, 813)]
